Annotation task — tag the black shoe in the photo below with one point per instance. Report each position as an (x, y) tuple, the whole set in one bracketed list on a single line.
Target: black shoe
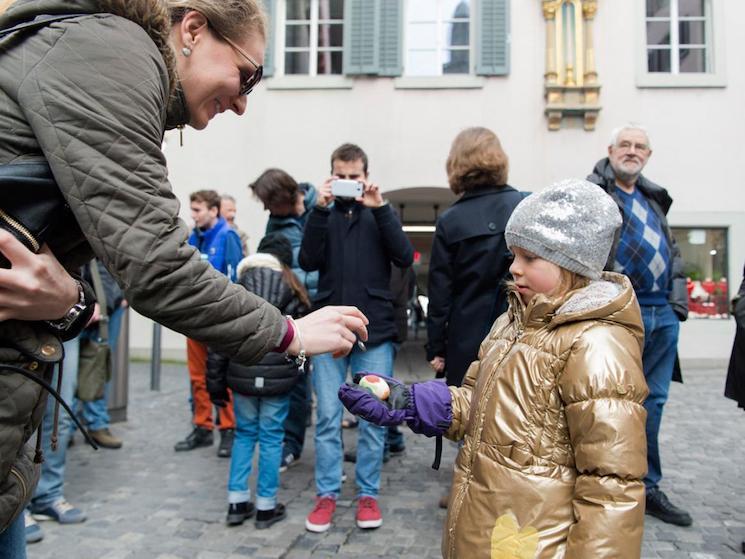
[(198, 437), (350, 456), (238, 512), (226, 443), (265, 518), (396, 449), (659, 506)]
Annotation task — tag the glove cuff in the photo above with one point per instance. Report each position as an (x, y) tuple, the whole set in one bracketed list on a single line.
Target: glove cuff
[(430, 410)]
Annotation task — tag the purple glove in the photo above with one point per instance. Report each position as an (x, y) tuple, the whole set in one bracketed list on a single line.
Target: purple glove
[(425, 407)]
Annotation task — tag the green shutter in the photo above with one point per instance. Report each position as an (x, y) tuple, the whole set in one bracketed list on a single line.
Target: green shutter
[(493, 35), (269, 6), (390, 34), (360, 30)]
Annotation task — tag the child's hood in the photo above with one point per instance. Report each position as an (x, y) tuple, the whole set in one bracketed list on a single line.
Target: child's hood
[(610, 299), (258, 260)]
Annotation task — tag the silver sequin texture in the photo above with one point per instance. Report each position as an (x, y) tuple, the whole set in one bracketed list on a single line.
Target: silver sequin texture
[(571, 223)]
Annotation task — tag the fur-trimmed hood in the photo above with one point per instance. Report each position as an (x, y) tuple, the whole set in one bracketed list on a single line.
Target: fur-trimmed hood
[(151, 15)]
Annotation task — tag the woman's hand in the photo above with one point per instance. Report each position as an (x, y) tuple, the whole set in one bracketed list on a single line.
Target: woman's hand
[(329, 330), (438, 364), (36, 287)]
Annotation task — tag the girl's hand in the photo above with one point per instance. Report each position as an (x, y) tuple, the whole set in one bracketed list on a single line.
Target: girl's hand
[(36, 287), (329, 330)]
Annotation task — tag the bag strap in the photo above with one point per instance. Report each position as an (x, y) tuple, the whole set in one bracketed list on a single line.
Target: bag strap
[(103, 322), (37, 23), (8, 368)]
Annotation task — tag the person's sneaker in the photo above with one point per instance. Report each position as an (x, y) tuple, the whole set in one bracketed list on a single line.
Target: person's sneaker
[(105, 439), (265, 518), (396, 449), (659, 506), (319, 519), (350, 456), (198, 437), (34, 534), (287, 461), (226, 443), (368, 513), (239, 512), (61, 511), (343, 477)]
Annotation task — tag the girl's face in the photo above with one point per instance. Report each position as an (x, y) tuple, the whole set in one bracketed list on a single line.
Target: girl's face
[(211, 76), (533, 274)]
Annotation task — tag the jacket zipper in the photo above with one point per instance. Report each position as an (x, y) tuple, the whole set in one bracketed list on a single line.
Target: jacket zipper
[(20, 229), (458, 501)]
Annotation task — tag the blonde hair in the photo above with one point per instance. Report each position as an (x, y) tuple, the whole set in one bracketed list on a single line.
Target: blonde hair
[(234, 19), (568, 281), (476, 159)]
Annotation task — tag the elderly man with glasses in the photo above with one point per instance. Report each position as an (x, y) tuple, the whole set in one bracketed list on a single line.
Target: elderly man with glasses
[(644, 250)]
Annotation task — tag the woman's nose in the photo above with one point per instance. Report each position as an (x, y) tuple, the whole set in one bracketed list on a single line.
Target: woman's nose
[(239, 104)]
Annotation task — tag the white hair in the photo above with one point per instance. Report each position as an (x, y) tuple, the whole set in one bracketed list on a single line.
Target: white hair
[(227, 197), (629, 126)]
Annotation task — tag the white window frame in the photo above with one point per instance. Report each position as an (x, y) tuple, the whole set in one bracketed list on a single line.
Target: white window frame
[(440, 47), (313, 49), (714, 33)]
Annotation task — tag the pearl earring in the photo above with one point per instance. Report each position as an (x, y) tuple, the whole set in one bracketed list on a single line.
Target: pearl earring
[(186, 51)]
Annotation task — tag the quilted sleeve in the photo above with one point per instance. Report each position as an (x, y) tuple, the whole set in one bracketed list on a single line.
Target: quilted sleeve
[(95, 102), (603, 389)]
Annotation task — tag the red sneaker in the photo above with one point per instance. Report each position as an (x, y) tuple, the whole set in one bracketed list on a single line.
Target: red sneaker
[(319, 519), (368, 513)]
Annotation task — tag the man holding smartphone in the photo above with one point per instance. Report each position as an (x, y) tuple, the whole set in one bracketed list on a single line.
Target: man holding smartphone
[(352, 242)]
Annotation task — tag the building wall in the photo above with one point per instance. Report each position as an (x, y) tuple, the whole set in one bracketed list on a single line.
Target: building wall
[(696, 133)]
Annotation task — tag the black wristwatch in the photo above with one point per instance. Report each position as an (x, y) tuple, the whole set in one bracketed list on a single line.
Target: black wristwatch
[(62, 324)]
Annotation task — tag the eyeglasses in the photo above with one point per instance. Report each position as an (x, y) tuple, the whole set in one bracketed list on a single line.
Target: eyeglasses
[(626, 146), (250, 82)]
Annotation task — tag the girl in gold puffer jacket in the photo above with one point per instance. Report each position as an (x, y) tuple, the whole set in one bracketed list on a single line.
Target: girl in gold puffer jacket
[(551, 414)]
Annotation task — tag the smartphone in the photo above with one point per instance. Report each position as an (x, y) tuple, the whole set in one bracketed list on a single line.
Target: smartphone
[(346, 189)]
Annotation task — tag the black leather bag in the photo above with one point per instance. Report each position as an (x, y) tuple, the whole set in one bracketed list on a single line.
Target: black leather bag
[(31, 203)]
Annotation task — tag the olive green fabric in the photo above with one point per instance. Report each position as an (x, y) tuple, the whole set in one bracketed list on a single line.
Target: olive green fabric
[(90, 95)]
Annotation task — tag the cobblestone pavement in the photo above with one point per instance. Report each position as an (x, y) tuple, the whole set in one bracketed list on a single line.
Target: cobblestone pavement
[(146, 501)]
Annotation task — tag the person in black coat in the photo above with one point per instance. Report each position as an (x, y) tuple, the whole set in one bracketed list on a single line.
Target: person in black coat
[(261, 392), (735, 387), (469, 260), (352, 242)]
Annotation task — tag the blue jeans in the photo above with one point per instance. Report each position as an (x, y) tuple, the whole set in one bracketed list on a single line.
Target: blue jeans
[(328, 375), (257, 419), (13, 540), (661, 328), (96, 414), (297, 418), (52, 479)]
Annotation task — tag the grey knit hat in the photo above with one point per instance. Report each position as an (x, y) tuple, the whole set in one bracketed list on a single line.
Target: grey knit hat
[(572, 224)]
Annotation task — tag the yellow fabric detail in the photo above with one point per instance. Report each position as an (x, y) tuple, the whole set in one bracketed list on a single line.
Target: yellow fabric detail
[(509, 542)]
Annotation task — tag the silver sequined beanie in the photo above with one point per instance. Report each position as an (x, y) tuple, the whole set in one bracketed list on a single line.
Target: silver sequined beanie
[(572, 224)]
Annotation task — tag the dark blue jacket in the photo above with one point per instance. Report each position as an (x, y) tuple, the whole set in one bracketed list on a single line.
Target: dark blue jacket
[(292, 227), (220, 245), (353, 247), (468, 265)]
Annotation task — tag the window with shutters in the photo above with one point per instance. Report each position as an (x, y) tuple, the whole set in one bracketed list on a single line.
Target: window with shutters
[(438, 37), (310, 37), (681, 44)]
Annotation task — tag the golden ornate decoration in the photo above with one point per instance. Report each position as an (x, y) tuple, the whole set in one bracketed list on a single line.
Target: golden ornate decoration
[(571, 80)]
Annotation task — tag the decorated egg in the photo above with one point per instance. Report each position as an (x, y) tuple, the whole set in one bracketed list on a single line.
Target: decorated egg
[(376, 386)]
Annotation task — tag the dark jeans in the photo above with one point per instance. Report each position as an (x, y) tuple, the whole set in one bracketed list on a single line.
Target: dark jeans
[(13, 540), (661, 328), (297, 418)]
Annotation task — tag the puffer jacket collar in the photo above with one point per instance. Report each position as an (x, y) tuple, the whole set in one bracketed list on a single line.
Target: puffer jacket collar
[(610, 298), (151, 15)]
